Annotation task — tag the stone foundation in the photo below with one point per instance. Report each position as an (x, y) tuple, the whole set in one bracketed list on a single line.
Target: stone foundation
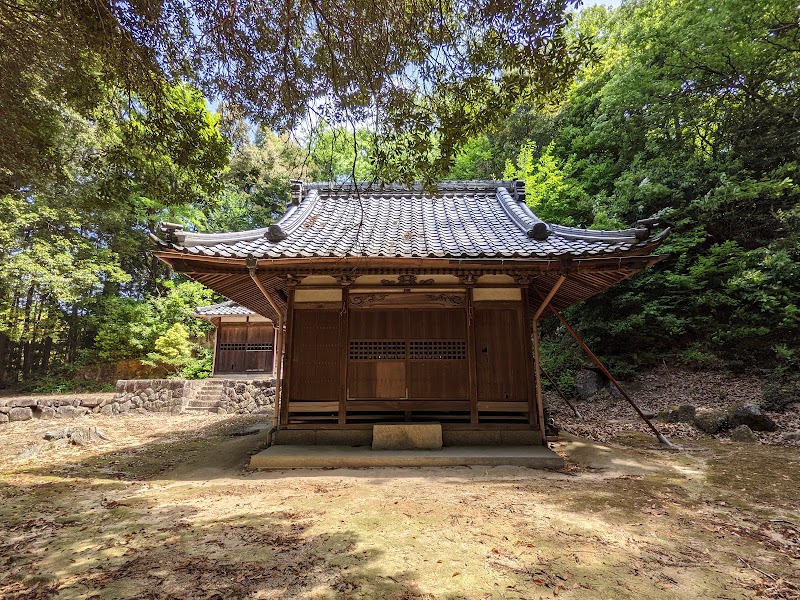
[(145, 395), (151, 395), (244, 397)]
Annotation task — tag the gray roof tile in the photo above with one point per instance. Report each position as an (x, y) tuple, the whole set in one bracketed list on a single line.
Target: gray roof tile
[(223, 309), (462, 219)]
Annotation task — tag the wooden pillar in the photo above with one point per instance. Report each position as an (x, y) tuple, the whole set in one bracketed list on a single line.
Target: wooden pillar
[(471, 358), (286, 388), (344, 342), (537, 371), (215, 346), (277, 361)]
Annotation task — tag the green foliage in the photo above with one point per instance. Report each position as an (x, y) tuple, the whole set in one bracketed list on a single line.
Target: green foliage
[(679, 122), (199, 365)]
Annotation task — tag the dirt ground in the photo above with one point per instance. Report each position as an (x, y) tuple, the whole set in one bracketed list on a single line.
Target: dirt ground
[(166, 509)]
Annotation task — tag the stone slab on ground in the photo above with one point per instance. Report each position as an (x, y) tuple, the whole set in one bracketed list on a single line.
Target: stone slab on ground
[(407, 436), (321, 457)]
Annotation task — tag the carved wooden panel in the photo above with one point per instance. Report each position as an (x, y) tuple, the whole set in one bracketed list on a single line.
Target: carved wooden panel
[(408, 300)]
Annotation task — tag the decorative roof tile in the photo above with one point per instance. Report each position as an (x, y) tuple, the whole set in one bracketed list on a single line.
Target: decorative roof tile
[(476, 219), (223, 309)]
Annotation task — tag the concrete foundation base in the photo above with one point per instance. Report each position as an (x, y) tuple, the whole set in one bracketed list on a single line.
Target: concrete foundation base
[(407, 436), (364, 437), (321, 457)]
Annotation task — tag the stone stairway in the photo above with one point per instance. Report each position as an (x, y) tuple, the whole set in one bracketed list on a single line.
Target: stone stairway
[(208, 397)]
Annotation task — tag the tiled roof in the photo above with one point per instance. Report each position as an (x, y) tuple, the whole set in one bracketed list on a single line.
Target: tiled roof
[(223, 310), (480, 219)]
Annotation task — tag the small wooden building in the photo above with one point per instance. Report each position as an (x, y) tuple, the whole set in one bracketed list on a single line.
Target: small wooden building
[(244, 341), (400, 304)]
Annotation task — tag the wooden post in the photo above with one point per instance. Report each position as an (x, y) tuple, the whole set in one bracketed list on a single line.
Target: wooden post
[(595, 360), (472, 392), (344, 337), (278, 370), (286, 389), (215, 345), (252, 267), (537, 368)]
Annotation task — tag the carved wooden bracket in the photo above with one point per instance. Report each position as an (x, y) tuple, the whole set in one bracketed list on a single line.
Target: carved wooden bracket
[(522, 279), (344, 279), (468, 278), (451, 299), (292, 281), (407, 280), (365, 299)]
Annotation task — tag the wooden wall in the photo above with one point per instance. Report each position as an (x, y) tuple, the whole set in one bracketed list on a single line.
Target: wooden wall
[(395, 356), (244, 347)]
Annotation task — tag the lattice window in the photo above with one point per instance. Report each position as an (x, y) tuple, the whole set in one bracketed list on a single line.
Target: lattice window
[(377, 349), (259, 347), (232, 347), (438, 350)]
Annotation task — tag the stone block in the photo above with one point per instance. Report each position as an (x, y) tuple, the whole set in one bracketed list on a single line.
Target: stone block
[(407, 436), (69, 412), (46, 412), (91, 402), (3, 418), (20, 413)]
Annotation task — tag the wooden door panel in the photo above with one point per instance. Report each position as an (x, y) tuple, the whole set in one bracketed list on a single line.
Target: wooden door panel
[(438, 355), (231, 348), (260, 347), (500, 355), (377, 354), (377, 379), (315, 355)]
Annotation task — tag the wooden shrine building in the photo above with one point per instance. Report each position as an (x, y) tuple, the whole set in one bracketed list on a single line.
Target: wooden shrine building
[(397, 304), (244, 341)]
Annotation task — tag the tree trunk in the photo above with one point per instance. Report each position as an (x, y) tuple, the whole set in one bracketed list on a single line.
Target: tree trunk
[(3, 355), (25, 342), (47, 348)]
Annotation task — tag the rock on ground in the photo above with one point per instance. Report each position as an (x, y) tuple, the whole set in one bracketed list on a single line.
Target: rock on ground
[(752, 416), (80, 436), (711, 421), (743, 434), (588, 383)]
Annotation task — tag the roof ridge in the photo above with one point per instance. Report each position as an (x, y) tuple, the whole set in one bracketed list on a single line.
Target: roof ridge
[(415, 186)]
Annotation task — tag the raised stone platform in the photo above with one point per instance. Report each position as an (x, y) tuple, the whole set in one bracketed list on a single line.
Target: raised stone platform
[(364, 437), (322, 457), (407, 436)]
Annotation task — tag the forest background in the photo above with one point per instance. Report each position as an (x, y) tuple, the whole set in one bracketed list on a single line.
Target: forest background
[(685, 111)]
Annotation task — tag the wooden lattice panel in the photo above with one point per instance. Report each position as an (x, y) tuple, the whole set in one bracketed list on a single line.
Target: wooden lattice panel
[(437, 349), (377, 350)]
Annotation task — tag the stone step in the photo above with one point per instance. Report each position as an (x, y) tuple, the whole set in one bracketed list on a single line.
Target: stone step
[(201, 408), (208, 397), (203, 403)]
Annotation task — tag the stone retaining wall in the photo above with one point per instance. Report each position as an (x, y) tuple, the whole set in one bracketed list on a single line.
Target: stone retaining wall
[(143, 395), (150, 395), (244, 397)]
